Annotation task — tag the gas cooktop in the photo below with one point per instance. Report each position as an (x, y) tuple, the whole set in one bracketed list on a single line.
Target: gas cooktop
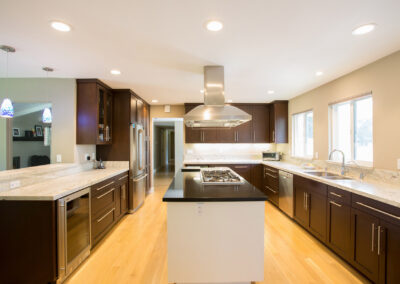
[(221, 175)]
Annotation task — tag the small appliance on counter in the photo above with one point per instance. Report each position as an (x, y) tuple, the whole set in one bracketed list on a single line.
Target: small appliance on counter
[(271, 156)]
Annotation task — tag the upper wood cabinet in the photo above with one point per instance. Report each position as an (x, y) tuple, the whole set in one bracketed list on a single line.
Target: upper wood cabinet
[(94, 112), (255, 131), (278, 122)]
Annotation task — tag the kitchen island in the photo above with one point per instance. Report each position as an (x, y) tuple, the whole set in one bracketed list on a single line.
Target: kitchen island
[(215, 230)]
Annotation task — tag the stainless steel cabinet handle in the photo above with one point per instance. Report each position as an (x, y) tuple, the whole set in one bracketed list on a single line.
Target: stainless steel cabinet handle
[(270, 175), (270, 189), (334, 203), (100, 188), (379, 240), (104, 194), (372, 236), (121, 178), (105, 215), (335, 194), (377, 210)]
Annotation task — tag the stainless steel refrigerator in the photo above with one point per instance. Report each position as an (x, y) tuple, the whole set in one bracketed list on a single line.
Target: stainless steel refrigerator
[(137, 167)]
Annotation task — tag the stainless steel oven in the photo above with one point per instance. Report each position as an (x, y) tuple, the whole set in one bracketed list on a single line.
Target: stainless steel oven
[(73, 231)]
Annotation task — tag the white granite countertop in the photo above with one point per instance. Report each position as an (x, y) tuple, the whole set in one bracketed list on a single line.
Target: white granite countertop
[(59, 181), (386, 193)]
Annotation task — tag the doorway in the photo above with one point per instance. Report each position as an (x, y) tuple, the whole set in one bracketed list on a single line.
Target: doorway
[(167, 147)]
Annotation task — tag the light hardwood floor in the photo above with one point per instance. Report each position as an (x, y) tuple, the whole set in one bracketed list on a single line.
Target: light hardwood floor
[(135, 251)]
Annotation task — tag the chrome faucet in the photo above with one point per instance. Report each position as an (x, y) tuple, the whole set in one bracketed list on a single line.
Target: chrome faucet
[(343, 169)]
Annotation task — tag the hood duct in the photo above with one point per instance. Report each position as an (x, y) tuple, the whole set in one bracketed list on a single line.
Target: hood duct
[(214, 112)]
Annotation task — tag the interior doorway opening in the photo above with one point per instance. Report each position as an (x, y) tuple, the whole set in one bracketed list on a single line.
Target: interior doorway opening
[(167, 146)]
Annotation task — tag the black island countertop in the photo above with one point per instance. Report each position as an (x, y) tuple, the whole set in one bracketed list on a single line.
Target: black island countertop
[(187, 187)]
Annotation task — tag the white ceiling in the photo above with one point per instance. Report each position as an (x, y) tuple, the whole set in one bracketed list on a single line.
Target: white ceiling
[(161, 46)]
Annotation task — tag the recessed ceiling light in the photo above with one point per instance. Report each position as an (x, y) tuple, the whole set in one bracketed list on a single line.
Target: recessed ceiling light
[(271, 92), (229, 101), (60, 26), (364, 29), (319, 73), (154, 101), (115, 72), (214, 26)]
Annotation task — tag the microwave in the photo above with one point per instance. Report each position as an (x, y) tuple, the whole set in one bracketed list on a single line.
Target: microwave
[(271, 156)]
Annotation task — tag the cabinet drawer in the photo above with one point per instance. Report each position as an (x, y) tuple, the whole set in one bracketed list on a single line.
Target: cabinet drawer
[(103, 200), (103, 221), (102, 187), (376, 208), (311, 185), (340, 195), (122, 178)]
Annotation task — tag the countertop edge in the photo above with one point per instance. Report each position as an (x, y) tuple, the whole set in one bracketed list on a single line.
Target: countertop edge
[(63, 194)]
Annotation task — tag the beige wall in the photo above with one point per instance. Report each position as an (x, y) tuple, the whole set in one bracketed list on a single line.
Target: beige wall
[(382, 78), (62, 94)]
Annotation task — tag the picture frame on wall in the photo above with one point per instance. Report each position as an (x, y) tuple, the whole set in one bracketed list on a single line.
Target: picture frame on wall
[(16, 132), (39, 130)]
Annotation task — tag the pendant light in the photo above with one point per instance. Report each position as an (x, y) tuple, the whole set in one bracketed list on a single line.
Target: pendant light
[(47, 116), (6, 108)]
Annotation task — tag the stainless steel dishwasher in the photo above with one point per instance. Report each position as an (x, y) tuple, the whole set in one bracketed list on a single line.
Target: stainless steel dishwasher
[(286, 192)]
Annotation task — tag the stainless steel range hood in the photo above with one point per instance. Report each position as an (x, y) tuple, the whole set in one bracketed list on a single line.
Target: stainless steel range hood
[(214, 112)]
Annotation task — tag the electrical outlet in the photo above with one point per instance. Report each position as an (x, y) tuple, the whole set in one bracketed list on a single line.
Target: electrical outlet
[(87, 157), (15, 184), (59, 158)]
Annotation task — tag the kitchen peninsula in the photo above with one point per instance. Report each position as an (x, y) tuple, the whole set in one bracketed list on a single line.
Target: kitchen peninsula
[(55, 215), (215, 228)]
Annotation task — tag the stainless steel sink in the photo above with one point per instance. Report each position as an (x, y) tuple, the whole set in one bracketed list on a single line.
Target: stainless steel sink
[(327, 175)]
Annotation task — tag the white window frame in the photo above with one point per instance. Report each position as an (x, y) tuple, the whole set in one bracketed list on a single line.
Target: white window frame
[(293, 135), (350, 160)]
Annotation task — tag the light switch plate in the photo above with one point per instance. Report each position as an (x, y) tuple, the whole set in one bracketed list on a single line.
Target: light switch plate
[(59, 158)]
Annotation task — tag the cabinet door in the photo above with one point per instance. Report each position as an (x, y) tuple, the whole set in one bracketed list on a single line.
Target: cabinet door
[(316, 205), (124, 198), (118, 201), (339, 228), (133, 109), (301, 213), (243, 170), (140, 112), (243, 131), (260, 124), (209, 136), (364, 235), (257, 176), (226, 135), (388, 249)]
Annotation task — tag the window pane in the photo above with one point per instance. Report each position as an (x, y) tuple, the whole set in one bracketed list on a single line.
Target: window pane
[(309, 134), (363, 130), (341, 130), (302, 125), (299, 135)]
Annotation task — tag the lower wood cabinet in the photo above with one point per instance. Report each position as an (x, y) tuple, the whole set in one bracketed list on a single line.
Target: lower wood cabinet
[(310, 205), (109, 204)]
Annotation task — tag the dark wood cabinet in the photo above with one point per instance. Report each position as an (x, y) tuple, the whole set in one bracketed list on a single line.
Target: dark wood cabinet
[(257, 177), (310, 205), (260, 124), (364, 228), (94, 112), (278, 122), (271, 184), (258, 130)]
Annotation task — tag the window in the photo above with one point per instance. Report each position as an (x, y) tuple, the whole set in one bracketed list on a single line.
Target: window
[(351, 129), (302, 133)]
